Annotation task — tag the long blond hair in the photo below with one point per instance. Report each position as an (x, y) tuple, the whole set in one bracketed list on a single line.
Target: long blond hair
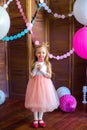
[(46, 60)]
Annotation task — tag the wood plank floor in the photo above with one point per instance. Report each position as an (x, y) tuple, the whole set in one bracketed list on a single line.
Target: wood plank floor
[(13, 116)]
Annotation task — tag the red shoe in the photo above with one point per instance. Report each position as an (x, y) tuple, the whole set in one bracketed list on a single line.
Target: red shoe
[(35, 124), (42, 123)]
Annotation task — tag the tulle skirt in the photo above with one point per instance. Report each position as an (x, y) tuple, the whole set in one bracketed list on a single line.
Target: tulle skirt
[(41, 95)]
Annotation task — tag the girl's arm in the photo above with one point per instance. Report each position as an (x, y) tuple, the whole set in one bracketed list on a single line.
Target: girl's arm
[(34, 71), (49, 71), (31, 75)]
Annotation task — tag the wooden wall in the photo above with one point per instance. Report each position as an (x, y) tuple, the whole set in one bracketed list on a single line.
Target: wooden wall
[(19, 51), (68, 72), (3, 64)]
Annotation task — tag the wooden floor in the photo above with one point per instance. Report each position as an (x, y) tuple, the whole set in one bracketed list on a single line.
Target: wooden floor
[(13, 116)]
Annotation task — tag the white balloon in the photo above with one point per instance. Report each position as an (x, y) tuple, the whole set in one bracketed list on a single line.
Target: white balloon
[(61, 91), (4, 22), (41, 1), (2, 97), (80, 11)]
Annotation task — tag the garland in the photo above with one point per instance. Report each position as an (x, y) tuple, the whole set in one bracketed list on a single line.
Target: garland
[(29, 25), (62, 56), (16, 36), (56, 15)]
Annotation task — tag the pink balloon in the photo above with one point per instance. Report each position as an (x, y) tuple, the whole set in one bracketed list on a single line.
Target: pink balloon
[(37, 43), (80, 42), (68, 103)]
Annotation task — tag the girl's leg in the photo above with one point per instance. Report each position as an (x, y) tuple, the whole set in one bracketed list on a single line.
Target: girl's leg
[(35, 115), (40, 115), (41, 122), (35, 123)]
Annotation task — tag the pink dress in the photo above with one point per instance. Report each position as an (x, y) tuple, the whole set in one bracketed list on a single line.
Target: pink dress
[(41, 95)]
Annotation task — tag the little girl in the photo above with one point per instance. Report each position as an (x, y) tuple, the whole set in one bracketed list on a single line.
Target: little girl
[(41, 95)]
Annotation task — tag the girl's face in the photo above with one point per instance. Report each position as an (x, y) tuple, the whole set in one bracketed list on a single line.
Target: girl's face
[(41, 53)]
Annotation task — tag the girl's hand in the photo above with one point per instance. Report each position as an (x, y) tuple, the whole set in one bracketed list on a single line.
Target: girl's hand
[(48, 75), (31, 75), (39, 67)]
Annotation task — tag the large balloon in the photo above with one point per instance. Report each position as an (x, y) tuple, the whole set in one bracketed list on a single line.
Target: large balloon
[(62, 91), (4, 22), (80, 42), (68, 103), (80, 11)]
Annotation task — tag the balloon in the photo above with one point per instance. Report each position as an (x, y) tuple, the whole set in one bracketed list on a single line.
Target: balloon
[(4, 22), (37, 43), (80, 11), (2, 97), (62, 91), (68, 103), (41, 1), (80, 42)]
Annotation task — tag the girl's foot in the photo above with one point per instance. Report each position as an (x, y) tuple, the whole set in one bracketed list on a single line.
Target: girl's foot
[(42, 123), (35, 124)]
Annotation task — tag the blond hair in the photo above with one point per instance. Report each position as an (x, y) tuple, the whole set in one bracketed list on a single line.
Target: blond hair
[(46, 60)]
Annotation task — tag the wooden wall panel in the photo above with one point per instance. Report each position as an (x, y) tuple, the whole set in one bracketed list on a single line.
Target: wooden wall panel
[(3, 69), (60, 39), (39, 26), (67, 71), (17, 53), (3, 63), (79, 70), (59, 35)]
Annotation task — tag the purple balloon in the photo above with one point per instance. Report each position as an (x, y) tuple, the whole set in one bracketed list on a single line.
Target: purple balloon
[(80, 42)]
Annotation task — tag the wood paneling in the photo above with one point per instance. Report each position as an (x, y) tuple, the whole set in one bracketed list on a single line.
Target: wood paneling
[(59, 38), (17, 53), (79, 69), (39, 26), (3, 63), (67, 71)]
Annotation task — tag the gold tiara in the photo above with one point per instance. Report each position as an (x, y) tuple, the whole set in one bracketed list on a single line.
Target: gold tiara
[(45, 44)]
